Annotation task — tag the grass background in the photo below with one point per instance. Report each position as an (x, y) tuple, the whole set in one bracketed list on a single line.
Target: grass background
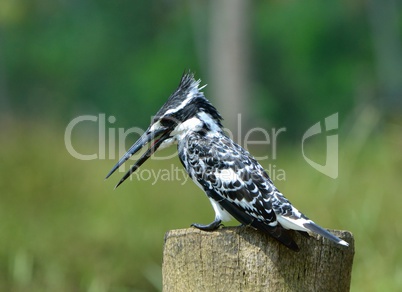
[(63, 228)]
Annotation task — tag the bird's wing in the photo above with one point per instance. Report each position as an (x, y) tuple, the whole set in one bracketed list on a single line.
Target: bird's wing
[(234, 179)]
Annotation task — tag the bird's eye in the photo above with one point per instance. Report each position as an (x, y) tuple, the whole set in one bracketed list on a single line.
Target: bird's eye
[(167, 121)]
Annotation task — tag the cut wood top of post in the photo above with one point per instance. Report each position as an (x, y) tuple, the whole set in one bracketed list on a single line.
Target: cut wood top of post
[(243, 259), (256, 237)]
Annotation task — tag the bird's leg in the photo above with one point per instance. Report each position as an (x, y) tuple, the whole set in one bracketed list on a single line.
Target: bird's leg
[(210, 227)]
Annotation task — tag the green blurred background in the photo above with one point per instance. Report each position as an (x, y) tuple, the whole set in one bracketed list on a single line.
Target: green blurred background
[(279, 63)]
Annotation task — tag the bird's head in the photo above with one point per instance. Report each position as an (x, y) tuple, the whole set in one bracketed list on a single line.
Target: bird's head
[(186, 110)]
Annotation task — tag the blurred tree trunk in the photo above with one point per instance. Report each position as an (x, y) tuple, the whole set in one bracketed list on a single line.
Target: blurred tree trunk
[(229, 61)]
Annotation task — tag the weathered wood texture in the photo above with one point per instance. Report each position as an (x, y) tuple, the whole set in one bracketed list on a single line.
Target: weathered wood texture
[(242, 259)]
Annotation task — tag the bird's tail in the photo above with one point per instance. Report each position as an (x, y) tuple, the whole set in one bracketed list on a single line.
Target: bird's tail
[(310, 225), (301, 223)]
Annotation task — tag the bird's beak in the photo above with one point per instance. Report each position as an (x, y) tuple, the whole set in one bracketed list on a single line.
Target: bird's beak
[(158, 136)]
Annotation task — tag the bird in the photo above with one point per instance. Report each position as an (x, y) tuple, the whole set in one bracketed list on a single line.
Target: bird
[(234, 181)]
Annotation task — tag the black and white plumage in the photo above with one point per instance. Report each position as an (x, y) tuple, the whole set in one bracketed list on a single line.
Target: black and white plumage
[(235, 183)]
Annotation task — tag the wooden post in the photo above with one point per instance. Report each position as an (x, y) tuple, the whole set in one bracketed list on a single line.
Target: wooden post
[(242, 259)]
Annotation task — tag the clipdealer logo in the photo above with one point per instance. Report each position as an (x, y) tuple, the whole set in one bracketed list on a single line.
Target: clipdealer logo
[(112, 140), (330, 167)]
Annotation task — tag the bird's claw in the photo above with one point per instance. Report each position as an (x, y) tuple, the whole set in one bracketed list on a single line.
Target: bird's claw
[(210, 227)]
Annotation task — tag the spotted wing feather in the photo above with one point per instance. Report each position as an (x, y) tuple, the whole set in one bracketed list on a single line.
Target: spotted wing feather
[(233, 178)]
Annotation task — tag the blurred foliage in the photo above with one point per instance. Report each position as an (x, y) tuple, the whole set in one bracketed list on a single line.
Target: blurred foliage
[(63, 229), (312, 58), (98, 56), (63, 58)]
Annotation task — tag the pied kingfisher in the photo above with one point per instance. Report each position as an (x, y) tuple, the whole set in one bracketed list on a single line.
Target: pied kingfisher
[(235, 183)]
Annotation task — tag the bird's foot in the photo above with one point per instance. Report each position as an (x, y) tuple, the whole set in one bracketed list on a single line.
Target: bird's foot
[(210, 227)]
